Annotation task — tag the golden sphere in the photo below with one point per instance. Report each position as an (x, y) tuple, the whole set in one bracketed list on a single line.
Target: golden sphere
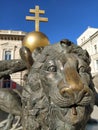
[(35, 39)]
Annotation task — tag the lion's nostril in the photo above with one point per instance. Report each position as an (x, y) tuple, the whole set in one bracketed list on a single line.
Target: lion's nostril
[(62, 91), (66, 92), (86, 93)]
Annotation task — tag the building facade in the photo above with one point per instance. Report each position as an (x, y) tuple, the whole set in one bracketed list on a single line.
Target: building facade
[(88, 40), (10, 43)]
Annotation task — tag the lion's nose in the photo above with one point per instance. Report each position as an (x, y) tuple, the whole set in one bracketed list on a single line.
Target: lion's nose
[(71, 91), (71, 88), (71, 82), (75, 94)]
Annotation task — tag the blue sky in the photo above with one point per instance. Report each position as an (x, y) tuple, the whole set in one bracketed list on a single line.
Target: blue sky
[(67, 18)]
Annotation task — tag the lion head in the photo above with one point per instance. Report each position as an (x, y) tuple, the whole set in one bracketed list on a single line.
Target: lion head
[(64, 78)]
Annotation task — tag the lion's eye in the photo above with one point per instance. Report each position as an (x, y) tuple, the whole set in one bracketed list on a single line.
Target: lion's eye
[(83, 69), (52, 68)]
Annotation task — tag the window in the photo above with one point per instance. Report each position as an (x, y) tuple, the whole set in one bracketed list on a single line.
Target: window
[(6, 81), (97, 64), (83, 39), (95, 48), (7, 55)]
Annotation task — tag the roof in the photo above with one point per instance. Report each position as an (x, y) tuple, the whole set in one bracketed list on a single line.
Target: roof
[(86, 34), (12, 32)]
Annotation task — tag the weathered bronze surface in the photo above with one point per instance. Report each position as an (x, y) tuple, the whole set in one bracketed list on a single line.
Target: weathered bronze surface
[(59, 93), (11, 66), (62, 89)]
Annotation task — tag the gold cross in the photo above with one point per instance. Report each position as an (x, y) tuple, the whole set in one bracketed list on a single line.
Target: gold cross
[(37, 19)]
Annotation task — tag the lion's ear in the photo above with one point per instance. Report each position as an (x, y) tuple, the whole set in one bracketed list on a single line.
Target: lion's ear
[(65, 42), (26, 56)]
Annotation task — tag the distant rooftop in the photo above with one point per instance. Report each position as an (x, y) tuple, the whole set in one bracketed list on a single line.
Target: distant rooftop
[(86, 34), (12, 32)]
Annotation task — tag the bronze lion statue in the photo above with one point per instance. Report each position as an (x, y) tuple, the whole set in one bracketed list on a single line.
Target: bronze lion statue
[(59, 93), (62, 92)]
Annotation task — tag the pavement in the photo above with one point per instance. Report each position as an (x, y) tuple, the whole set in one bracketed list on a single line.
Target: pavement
[(92, 127)]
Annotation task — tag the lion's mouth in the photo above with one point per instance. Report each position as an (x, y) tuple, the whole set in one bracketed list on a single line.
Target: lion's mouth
[(70, 110), (69, 101), (75, 114)]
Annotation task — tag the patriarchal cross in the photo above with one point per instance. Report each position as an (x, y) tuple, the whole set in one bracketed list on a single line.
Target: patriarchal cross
[(36, 18)]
